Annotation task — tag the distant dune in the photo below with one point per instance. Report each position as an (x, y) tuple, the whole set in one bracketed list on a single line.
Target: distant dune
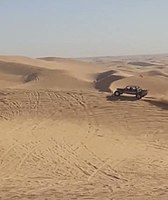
[(142, 64), (25, 72)]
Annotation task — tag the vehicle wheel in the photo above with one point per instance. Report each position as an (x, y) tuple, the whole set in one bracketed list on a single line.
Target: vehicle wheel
[(138, 96), (116, 93)]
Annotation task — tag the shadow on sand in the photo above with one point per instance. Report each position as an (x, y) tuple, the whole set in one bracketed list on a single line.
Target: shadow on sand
[(105, 79), (160, 104), (121, 98)]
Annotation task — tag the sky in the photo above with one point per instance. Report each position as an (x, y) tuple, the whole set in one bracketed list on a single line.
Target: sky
[(83, 28)]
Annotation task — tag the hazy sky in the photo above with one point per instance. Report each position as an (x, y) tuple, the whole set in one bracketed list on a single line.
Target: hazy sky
[(83, 27)]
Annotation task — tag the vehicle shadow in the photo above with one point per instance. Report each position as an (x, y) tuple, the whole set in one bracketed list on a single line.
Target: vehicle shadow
[(161, 104), (121, 98)]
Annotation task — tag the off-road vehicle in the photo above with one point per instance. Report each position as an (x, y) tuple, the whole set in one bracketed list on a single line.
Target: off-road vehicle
[(134, 90)]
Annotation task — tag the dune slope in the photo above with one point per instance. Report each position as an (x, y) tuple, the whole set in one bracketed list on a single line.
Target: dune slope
[(23, 72), (62, 139), (63, 145)]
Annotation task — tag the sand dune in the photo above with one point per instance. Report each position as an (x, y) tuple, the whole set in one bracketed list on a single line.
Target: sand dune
[(63, 73), (142, 64), (64, 136), (155, 73)]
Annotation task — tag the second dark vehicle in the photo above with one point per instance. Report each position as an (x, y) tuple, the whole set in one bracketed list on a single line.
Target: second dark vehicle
[(134, 90)]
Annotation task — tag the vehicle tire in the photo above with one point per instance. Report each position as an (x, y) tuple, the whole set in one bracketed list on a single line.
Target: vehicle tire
[(138, 96), (117, 93)]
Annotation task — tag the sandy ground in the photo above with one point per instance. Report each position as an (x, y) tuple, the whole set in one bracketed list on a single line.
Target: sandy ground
[(63, 136)]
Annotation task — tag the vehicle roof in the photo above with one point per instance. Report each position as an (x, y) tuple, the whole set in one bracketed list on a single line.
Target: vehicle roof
[(133, 86)]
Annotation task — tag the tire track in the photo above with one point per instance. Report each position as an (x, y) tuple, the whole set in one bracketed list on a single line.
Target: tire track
[(23, 160)]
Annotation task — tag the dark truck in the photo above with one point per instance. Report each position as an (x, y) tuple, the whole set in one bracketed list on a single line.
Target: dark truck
[(134, 90)]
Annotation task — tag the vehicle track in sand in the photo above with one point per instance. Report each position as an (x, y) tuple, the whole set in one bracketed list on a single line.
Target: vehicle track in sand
[(71, 144)]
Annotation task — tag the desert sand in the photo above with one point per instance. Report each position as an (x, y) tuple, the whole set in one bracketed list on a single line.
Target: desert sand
[(63, 136)]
